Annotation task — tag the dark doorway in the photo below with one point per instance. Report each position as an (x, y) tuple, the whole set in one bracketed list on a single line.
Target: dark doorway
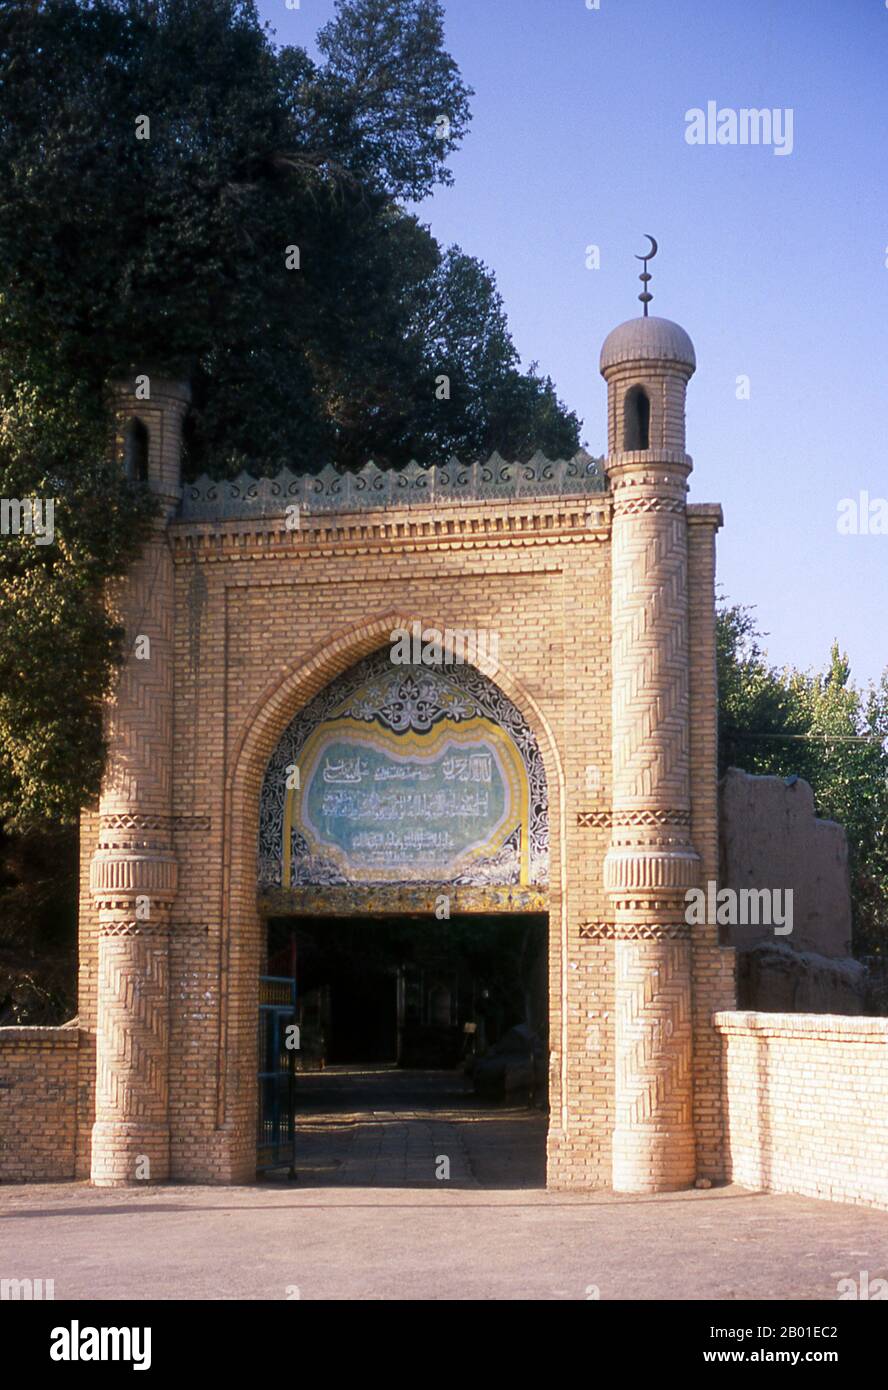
[(413, 990), (421, 1041)]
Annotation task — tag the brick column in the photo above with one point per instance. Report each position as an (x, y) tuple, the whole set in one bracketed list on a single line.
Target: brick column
[(133, 871), (651, 861)]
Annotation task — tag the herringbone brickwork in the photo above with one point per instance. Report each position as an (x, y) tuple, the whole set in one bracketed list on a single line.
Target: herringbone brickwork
[(654, 1136), (651, 860)]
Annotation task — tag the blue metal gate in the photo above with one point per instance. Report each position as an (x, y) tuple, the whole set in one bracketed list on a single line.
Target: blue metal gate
[(277, 1065)]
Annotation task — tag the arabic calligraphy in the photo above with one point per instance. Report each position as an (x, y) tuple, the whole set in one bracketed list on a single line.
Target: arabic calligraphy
[(373, 805), (377, 806), (347, 770), (474, 768), (353, 771)]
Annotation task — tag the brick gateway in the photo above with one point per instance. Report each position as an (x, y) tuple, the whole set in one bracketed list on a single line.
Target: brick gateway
[(598, 581), (254, 617), (256, 597)]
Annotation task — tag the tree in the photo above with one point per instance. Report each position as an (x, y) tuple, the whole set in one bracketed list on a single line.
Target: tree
[(175, 190), (460, 321), (58, 649), (58, 656), (825, 729)]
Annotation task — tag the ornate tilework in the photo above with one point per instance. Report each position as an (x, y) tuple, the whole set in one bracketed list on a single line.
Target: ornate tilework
[(404, 701)]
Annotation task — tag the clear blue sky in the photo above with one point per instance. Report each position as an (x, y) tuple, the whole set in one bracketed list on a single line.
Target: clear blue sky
[(776, 265)]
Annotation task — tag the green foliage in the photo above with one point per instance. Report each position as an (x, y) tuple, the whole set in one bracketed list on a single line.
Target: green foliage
[(117, 248), (386, 83), (825, 729), (58, 650), (461, 324), (119, 252), (172, 251)]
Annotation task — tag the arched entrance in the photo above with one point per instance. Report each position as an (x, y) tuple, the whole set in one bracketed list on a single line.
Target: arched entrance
[(403, 874)]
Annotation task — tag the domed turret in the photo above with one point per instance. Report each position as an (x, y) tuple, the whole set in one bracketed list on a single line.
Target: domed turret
[(647, 340), (647, 363)]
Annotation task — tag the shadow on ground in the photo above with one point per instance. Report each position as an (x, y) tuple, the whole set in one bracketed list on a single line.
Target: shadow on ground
[(378, 1126)]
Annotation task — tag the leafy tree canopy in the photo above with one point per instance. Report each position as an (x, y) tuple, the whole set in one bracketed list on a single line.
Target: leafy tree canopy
[(161, 161)]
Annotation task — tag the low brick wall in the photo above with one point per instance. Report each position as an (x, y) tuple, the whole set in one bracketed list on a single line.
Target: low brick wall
[(38, 1103), (806, 1104)]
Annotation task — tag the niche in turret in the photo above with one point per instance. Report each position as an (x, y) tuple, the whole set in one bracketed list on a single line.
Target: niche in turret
[(135, 452), (636, 419)]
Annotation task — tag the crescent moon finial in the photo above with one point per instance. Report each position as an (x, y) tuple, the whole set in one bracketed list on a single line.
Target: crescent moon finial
[(644, 277)]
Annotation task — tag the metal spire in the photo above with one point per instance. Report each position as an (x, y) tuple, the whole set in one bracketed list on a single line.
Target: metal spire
[(644, 277)]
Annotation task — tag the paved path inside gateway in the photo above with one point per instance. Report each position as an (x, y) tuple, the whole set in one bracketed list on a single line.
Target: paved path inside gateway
[(376, 1126), (369, 1220)]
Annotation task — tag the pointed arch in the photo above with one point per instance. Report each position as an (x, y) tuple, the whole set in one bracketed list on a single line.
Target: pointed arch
[(241, 922)]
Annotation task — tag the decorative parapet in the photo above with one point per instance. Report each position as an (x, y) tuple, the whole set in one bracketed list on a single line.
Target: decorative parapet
[(374, 488)]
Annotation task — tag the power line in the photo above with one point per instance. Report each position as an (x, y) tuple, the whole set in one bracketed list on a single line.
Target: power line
[(834, 738)]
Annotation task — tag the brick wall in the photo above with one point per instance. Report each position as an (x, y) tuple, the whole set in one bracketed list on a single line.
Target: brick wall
[(806, 1104), (38, 1103)]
